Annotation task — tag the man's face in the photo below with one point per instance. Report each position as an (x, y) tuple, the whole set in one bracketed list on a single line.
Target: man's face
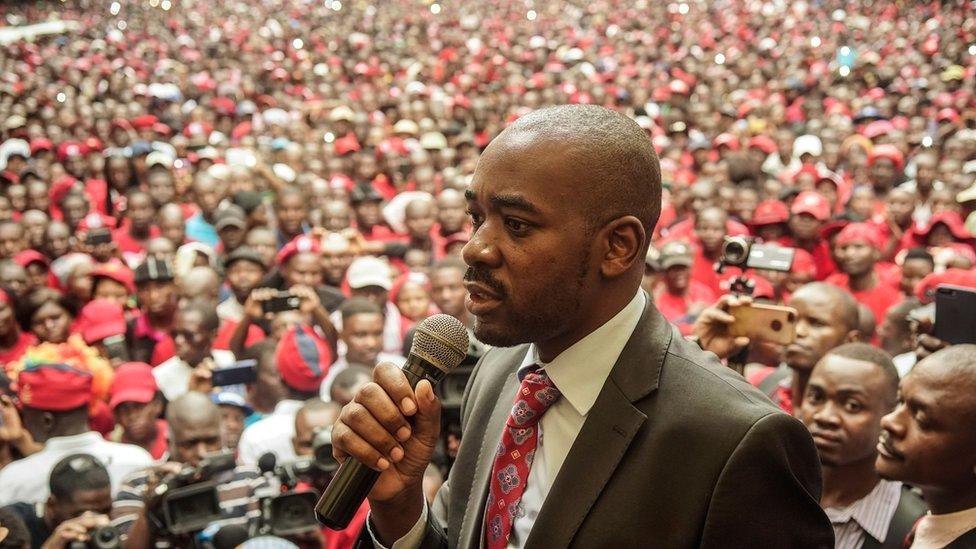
[(307, 425), (191, 443), (96, 501), (925, 172), (677, 279), (817, 329), (231, 237), (173, 228), (805, 226), (448, 291), (37, 197), (912, 272), (928, 439), (711, 231), (882, 173), (530, 254), (106, 288), (57, 240), (376, 294), (118, 172), (75, 208), (900, 206), (335, 262), (140, 210), (161, 187), (335, 216), (36, 275), (243, 276), (857, 258), (191, 340), (451, 213), (231, 425), (842, 407), (264, 244), (207, 195), (157, 297), (367, 214), (291, 212), (302, 269), (8, 322), (419, 219), (138, 419), (363, 334), (11, 240), (51, 323)]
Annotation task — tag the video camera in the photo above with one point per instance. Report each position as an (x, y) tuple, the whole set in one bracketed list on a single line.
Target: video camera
[(188, 499), (744, 252), (105, 537)]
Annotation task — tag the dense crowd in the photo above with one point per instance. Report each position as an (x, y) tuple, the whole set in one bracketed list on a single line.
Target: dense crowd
[(187, 185)]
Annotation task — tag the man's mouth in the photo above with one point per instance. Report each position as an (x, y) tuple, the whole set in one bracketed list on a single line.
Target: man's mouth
[(886, 450)]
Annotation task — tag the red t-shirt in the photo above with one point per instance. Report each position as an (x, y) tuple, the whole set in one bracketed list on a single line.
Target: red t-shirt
[(226, 331), (10, 355), (879, 299), (675, 307)]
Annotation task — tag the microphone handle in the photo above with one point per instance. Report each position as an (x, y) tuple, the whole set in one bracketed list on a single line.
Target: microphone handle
[(353, 481)]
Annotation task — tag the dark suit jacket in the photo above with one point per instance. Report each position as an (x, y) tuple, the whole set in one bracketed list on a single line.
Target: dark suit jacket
[(677, 451)]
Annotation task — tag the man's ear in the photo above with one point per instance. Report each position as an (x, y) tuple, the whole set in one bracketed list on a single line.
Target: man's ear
[(853, 336), (623, 240), (48, 420)]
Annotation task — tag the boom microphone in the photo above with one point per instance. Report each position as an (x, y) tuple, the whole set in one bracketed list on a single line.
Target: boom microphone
[(439, 346)]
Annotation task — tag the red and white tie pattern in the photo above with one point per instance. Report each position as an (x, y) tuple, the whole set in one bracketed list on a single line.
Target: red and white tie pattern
[(513, 460)]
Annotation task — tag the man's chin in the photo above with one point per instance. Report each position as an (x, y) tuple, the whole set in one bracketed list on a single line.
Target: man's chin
[(498, 334)]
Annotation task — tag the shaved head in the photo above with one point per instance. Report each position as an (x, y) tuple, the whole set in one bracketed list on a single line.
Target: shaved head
[(849, 316), (192, 410), (200, 282), (608, 149)]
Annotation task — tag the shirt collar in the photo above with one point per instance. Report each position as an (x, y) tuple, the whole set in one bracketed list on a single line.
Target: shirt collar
[(73, 441), (580, 371), (873, 512), (941, 530)]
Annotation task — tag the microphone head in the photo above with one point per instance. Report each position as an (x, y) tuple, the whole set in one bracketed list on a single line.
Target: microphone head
[(267, 462), (442, 341)]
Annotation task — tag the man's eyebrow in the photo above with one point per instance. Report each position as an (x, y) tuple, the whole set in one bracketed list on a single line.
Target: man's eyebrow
[(512, 201)]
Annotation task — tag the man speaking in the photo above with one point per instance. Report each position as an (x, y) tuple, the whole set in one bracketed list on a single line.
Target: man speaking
[(591, 423)]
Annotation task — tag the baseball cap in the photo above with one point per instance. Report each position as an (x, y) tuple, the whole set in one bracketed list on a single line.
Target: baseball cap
[(769, 212), (228, 398), (230, 216), (675, 253), (243, 253), (369, 271), (859, 232), (303, 359), (299, 244), (117, 272), (53, 387), (134, 382), (27, 257), (433, 141), (807, 144), (159, 158), (813, 203), (406, 126), (154, 268), (100, 318), (364, 193)]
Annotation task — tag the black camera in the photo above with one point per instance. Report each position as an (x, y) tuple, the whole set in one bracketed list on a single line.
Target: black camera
[(105, 537), (189, 500), (746, 253)]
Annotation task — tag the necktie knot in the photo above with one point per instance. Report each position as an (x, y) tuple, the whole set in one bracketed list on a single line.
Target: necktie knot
[(535, 395)]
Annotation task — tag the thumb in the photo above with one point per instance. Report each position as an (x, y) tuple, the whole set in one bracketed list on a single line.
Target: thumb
[(427, 420)]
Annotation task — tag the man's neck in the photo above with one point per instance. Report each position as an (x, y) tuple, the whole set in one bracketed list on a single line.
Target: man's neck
[(421, 243), (845, 484), (604, 311), (863, 282), (144, 444), (950, 500), (139, 233), (161, 321)]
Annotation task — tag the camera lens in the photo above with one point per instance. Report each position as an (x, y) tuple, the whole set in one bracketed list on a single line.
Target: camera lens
[(735, 251)]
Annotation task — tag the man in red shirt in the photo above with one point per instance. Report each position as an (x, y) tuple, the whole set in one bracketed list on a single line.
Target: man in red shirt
[(137, 227), (858, 252), (13, 341), (711, 226), (137, 404), (808, 212), (679, 297)]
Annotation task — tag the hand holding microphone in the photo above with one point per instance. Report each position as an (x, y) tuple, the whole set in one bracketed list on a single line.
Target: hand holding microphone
[(387, 434)]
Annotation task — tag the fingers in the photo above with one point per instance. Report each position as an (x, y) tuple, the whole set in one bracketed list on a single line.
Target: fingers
[(381, 406), (350, 444), (363, 423), (394, 382), (427, 422)]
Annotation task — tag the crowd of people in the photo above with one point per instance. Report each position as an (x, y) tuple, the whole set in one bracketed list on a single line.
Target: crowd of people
[(276, 189)]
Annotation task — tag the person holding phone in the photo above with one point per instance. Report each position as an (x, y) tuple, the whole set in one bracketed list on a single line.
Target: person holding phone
[(137, 404)]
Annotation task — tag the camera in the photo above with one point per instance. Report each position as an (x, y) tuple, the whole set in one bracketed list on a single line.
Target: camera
[(746, 253), (105, 537), (188, 500)]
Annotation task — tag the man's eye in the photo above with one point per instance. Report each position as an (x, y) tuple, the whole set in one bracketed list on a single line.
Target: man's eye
[(515, 225)]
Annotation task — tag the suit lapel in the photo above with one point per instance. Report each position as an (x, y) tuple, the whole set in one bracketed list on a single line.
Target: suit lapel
[(609, 427), (471, 527)]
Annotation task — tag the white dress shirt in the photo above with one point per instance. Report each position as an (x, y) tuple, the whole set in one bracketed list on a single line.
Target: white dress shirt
[(173, 375), (27, 479), (579, 373), (937, 531), (271, 434), (869, 516)]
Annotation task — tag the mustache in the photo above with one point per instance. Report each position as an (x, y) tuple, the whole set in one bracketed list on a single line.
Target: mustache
[(484, 276)]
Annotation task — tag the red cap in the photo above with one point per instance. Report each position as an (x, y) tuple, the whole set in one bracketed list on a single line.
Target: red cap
[(950, 219), (877, 128), (303, 359), (40, 144), (117, 272), (947, 115), (763, 143), (769, 212), (53, 387), (727, 140), (859, 232), (134, 382), (93, 144), (69, 149), (299, 244), (27, 257), (99, 319), (812, 203), (887, 151), (144, 122), (346, 144), (803, 263), (925, 289), (95, 220)]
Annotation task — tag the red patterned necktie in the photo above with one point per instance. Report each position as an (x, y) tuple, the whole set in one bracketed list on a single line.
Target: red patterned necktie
[(513, 460)]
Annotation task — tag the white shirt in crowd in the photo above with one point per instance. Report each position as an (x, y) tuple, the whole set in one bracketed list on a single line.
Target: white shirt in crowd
[(27, 479), (579, 373), (173, 375), (937, 531), (271, 434)]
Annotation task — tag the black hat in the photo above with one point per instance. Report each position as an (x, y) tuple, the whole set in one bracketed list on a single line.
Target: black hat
[(244, 253), (154, 268), (364, 193)]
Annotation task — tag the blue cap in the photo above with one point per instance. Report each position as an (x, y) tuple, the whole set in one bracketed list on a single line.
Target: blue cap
[(227, 398)]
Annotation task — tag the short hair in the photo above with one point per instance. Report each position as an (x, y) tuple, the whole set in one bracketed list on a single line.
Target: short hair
[(614, 149), (348, 378), (289, 190), (316, 405), (18, 536), (75, 473), (958, 359), (358, 306), (919, 253), (209, 320), (11, 223), (849, 311), (868, 353), (866, 322), (40, 298)]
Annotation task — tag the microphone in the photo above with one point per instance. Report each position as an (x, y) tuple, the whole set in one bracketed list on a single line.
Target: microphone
[(267, 462), (439, 345), (230, 536)]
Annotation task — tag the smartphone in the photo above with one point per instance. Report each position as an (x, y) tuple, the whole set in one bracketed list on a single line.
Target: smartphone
[(98, 236), (762, 322), (115, 348), (241, 372), (955, 322), (282, 301)]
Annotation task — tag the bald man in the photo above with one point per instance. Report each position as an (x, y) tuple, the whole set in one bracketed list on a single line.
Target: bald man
[(451, 212), (200, 284), (648, 440), (194, 422), (172, 224)]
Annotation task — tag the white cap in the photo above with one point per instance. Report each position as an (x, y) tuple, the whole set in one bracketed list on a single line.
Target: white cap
[(433, 141), (807, 144), (159, 158), (369, 271)]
